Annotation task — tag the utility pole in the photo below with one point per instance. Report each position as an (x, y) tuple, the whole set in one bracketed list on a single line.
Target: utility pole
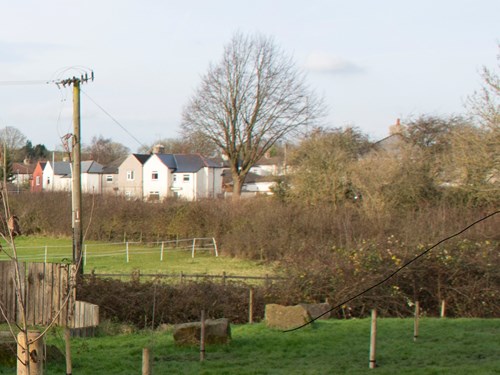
[(76, 188)]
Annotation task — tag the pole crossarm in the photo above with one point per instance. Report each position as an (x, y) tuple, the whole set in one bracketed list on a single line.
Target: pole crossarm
[(84, 78)]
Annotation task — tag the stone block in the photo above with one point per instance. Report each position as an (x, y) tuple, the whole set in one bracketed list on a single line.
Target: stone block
[(286, 317), (217, 331)]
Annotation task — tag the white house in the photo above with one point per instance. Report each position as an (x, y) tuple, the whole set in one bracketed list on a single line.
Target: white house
[(91, 172), (57, 176), (187, 176)]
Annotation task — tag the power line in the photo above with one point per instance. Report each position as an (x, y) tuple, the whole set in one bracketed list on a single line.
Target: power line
[(28, 82), (114, 120), (395, 272)]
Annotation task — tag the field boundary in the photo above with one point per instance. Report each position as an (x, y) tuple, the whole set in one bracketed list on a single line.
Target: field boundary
[(62, 253), (182, 277)]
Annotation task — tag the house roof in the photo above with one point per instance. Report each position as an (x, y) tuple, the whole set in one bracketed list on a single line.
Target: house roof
[(168, 160), (186, 163), (391, 143), (190, 163), (42, 164), (23, 168), (91, 166), (142, 158), (62, 168)]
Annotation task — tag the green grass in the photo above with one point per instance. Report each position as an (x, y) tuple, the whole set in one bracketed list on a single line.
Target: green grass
[(445, 346), (146, 258)]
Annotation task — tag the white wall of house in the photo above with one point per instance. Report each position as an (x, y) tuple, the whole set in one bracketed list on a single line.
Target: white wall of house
[(209, 183), (54, 182), (48, 177), (157, 179), (261, 187), (91, 183), (185, 185)]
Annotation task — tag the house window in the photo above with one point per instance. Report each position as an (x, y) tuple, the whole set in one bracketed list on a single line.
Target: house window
[(128, 194), (48, 180), (130, 175), (154, 175), (175, 178), (109, 178), (37, 181), (185, 178), (154, 196)]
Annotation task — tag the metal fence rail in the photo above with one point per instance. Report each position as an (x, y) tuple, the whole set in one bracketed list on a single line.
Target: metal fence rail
[(51, 254)]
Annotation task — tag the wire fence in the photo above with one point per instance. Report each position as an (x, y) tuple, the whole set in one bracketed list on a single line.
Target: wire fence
[(64, 253), (181, 277)]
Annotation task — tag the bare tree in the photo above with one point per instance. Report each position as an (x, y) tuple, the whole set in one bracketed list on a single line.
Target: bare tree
[(250, 99), (12, 137), (104, 150), (485, 104), (195, 144)]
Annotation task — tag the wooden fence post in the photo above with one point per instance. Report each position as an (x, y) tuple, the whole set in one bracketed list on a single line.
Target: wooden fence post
[(67, 342), (224, 277), (417, 315), (250, 306), (146, 362), (35, 355), (373, 339), (202, 337), (126, 250), (162, 249), (443, 309)]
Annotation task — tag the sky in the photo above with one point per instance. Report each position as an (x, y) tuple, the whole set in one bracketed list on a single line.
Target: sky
[(371, 61)]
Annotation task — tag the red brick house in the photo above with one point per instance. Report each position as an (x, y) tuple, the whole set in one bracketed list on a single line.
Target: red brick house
[(37, 181)]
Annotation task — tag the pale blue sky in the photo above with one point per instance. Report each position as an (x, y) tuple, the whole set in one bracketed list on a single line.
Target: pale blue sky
[(373, 61)]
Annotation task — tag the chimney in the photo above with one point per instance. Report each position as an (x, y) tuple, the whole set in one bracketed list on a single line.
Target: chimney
[(397, 128), (158, 149)]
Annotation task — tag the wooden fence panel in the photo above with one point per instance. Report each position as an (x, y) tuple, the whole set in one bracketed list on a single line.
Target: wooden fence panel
[(49, 291), (85, 320), (8, 298)]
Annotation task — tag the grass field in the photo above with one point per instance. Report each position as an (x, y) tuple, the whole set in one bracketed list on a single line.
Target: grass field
[(445, 346), (112, 258)]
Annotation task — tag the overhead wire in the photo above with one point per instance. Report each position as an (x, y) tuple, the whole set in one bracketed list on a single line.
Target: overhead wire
[(395, 272), (114, 119)]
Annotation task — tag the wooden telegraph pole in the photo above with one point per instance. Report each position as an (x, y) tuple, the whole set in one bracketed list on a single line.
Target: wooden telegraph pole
[(76, 189)]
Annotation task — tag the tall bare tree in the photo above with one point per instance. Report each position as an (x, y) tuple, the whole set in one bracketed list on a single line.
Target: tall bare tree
[(250, 99), (104, 150)]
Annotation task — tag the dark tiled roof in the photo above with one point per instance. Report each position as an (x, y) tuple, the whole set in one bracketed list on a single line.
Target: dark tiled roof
[(142, 157), (187, 163), (62, 168), (168, 160), (91, 167)]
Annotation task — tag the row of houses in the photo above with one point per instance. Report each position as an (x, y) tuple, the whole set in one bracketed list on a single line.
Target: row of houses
[(139, 176), (151, 177)]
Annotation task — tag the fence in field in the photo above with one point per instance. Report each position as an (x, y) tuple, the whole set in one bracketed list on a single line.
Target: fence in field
[(126, 250), (181, 277)]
